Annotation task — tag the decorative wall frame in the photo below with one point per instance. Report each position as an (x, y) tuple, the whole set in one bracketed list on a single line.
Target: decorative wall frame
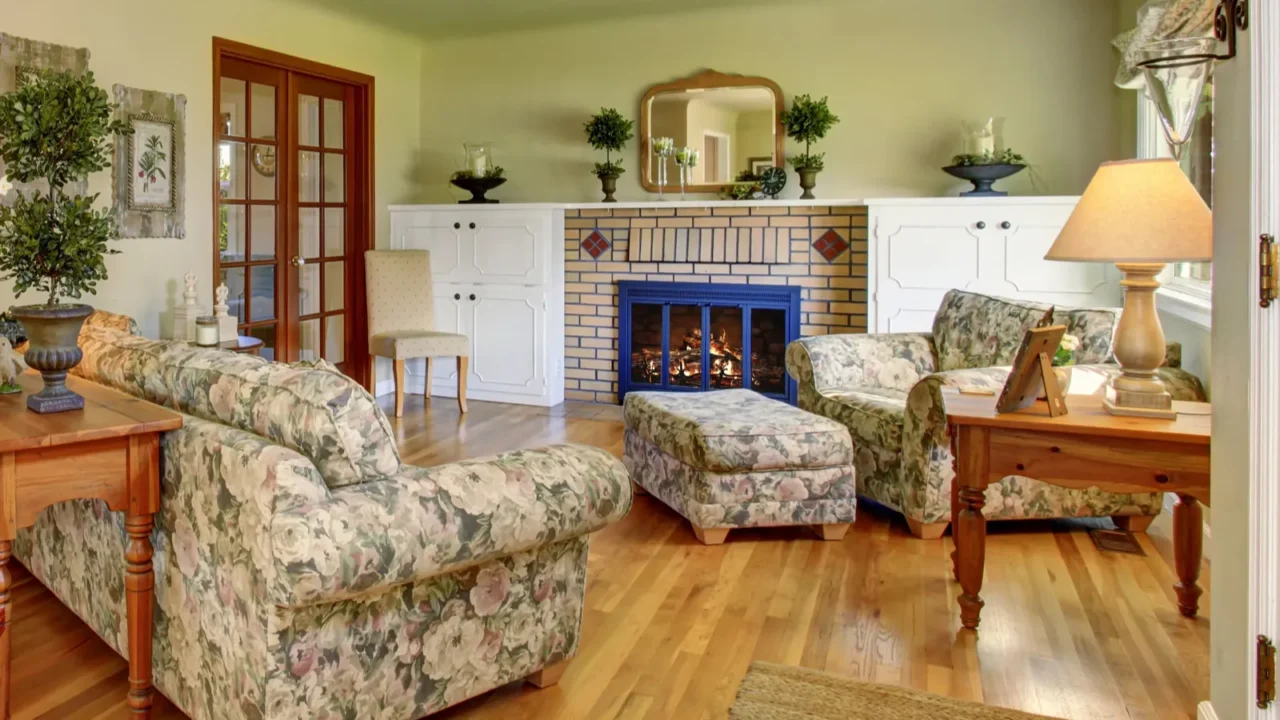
[(19, 59), (149, 186)]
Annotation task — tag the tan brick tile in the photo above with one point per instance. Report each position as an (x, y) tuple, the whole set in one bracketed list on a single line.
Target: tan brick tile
[(741, 222), (711, 222), (657, 212), (766, 280), (676, 222), (731, 211), (693, 212), (769, 210)]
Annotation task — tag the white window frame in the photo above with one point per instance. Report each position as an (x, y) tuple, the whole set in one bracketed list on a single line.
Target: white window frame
[(1191, 300)]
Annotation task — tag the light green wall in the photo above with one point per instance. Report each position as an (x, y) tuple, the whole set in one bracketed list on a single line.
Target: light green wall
[(900, 74), (168, 46)]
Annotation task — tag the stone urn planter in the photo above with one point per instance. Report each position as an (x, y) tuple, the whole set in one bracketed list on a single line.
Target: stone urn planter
[(53, 333), (609, 186), (808, 181)]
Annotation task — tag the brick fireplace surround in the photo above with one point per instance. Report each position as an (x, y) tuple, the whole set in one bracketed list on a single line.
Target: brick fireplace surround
[(822, 249)]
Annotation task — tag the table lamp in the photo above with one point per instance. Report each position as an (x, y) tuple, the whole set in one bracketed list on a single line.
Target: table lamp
[(1138, 214)]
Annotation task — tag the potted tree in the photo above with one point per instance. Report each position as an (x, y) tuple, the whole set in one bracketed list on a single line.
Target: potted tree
[(57, 128), (808, 121), (608, 131)]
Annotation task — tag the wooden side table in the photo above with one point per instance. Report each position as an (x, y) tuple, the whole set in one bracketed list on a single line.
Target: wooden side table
[(1088, 447), (110, 451), (242, 344)]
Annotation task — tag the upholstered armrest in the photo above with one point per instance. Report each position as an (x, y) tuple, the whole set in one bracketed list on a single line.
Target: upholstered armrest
[(893, 361), (423, 522)]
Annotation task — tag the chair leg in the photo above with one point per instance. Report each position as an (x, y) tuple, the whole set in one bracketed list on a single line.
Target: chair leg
[(463, 363), (426, 393), (927, 531), (548, 676), (1133, 523), (399, 372)]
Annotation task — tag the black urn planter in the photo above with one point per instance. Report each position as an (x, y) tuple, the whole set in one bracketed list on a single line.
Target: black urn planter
[(983, 177), (53, 333), (808, 181), (477, 186), (609, 186)]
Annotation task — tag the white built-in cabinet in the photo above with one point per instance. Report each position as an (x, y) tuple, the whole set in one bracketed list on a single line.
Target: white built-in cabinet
[(919, 249), (498, 278)]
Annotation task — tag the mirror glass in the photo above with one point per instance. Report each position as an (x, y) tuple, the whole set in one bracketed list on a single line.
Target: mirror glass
[(734, 128)]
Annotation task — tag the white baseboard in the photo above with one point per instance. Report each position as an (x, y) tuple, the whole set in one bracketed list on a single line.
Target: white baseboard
[(1204, 711)]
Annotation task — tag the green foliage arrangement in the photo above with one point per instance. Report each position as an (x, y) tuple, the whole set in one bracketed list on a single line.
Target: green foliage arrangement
[(608, 130), (808, 121), (1006, 157), (493, 171), (57, 128), (1066, 354)]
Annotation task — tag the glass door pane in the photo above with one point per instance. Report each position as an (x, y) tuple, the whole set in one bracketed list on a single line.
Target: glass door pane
[(251, 219), (769, 351), (725, 348), (324, 286), (685, 364)]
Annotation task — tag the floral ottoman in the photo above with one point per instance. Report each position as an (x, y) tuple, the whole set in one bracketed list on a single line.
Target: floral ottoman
[(735, 459)]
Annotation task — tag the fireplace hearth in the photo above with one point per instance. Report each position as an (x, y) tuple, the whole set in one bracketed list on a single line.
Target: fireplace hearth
[(695, 337)]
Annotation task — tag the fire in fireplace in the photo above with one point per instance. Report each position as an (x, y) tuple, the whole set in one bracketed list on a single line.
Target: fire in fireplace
[(687, 336)]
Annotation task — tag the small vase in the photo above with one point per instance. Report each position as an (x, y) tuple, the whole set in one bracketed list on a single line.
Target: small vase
[(662, 174), (609, 185), (808, 181), (683, 171), (54, 349)]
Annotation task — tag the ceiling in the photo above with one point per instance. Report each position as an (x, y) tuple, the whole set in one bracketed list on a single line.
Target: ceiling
[(452, 18)]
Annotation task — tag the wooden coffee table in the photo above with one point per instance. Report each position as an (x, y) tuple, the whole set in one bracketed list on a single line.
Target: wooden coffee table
[(1086, 448), (110, 451)]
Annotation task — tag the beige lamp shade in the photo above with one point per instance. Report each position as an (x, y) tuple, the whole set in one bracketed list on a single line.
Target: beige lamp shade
[(1137, 211)]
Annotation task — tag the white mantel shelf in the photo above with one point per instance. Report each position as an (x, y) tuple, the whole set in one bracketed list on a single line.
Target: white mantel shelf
[(793, 202)]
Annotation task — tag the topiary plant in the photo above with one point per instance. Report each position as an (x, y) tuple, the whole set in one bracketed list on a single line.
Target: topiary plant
[(57, 128), (808, 121), (608, 130)]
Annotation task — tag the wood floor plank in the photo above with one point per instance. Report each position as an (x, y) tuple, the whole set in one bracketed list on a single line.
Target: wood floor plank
[(670, 626)]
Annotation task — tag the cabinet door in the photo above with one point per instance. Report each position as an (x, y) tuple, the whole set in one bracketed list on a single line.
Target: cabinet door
[(511, 247), (1027, 234), (508, 330), (443, 233), (450, 309), (920, 253)]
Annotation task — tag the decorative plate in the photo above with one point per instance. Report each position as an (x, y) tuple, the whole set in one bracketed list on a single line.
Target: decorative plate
[(264, 160), (772, 181)]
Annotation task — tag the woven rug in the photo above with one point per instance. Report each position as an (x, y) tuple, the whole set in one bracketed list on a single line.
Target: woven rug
[(781, 692)]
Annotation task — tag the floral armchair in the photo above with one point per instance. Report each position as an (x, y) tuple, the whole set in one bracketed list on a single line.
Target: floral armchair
[(302, 570), (887, 389)]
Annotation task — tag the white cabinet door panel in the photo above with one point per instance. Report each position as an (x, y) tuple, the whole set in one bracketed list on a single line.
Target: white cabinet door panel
[(449, 246), (506, 248), (923, 257), (508, 336)]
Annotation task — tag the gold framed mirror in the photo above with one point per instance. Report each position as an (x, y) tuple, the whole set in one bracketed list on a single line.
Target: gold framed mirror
[(733, 121)]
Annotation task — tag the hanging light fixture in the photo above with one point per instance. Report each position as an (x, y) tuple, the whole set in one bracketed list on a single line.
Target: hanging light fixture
[(1230, 16)]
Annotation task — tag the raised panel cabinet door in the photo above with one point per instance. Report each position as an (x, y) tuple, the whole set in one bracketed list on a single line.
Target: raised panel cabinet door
[(1028, 233), (444, 234), (451, 307), (921, 252), (511, 247), (508, 327)]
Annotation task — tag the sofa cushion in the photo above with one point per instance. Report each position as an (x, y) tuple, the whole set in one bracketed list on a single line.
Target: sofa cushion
[(973, 331), (733, 430), (313, 410)]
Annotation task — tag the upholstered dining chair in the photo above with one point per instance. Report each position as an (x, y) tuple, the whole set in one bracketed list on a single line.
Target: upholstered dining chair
[(401, 319)]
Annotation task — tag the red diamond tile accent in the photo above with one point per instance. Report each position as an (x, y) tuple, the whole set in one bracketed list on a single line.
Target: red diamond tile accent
[(830, 246), (595, 244)]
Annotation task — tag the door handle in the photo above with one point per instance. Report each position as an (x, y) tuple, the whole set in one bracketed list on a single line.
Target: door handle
[(981, 225), (457, 226), (457, 296), (473, 296), (1006, 225), (297, 261), (473, 226)]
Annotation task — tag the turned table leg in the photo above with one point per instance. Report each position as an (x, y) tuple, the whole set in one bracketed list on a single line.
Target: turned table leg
[(139, 589), (5, 581), (969, 525), (1188, 541)]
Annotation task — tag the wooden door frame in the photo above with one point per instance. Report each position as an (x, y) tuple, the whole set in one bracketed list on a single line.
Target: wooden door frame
[(362, 199)]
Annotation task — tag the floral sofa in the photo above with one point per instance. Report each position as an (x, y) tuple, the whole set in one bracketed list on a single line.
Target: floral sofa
[(303, 571), (887, 389)]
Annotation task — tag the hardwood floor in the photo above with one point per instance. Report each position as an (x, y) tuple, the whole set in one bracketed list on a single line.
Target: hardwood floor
[(671, 625)]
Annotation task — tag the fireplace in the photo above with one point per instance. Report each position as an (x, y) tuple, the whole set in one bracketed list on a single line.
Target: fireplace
[(694, 337)]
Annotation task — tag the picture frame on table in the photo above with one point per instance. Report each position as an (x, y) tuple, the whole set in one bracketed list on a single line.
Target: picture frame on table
[(1032, 371)]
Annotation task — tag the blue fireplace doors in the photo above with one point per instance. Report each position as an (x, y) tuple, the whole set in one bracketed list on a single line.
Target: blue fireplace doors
[(695, 337)]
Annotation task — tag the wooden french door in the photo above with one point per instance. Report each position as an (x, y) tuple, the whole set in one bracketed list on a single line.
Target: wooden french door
[(293, 194)]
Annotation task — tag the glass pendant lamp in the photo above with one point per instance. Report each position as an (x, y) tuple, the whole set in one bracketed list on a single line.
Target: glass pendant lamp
[(1176, 72)]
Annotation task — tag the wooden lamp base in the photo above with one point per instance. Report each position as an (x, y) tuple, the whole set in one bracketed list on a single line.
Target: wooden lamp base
[(1138, 391)]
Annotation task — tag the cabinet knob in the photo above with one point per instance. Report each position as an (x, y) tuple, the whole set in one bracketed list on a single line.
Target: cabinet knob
[(457, 296), (982, 225), (473, 296), (457, 226), (1006, 225), (473, 226)]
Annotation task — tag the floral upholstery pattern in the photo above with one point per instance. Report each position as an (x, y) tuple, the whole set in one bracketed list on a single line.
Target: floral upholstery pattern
[(323, 415), (734, 458), (732, 430), (282, 597), (902, 454)]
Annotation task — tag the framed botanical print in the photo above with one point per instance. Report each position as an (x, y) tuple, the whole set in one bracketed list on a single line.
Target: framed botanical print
[(150, 177)]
